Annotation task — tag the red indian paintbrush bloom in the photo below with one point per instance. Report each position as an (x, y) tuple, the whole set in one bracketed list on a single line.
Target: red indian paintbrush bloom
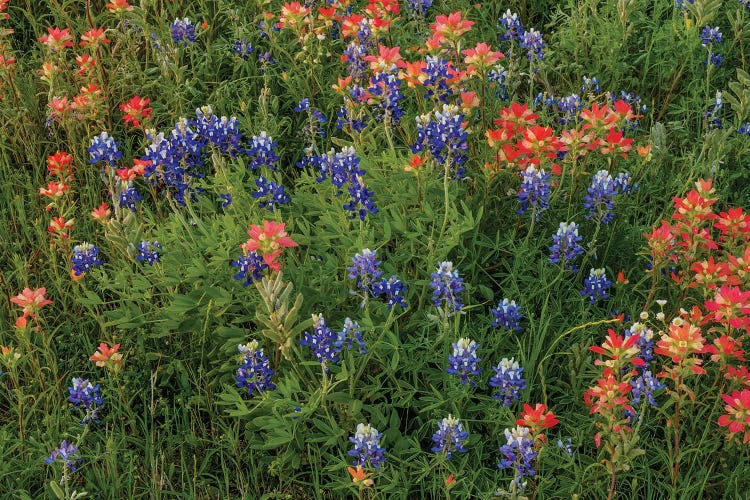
[(136, 109), (57, 39), (737, 417), (60, 165), (619, 350), (683, 340), (268, 242), (537, 419), (31, 301), (108, 356), (732, 306)]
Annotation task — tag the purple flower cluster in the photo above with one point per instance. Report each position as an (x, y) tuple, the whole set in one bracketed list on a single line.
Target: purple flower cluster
[(365, 270), (518, 453), (645, 383), (511, 26), (183, 31), (437, 73), (85, 256), (600, 197), (242, 48), (367, 449), (312, 128), (464, 361), (393, 289), (255, 373), (85, 396), (566, 245), (447, 286), (449, 437), (531, 40), (326, 344), (148, 252), (385, 89), (251, 267), (711, 35), (356, 66), (590, 84), (221, 133), (509, 381), (105, 149), (418, 8), (66, 454), (443, 135), (534, 191), (129, 196), (711, 115), (507, 315), (263, 150), (342, 168), (744, 128), (269, 193), (596, 285)]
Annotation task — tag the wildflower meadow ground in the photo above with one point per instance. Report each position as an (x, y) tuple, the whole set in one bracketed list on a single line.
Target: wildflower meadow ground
[(374, 249)]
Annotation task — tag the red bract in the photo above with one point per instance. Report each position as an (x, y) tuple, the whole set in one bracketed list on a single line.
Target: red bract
[(737, 418), (726, 348), (619, 350), (608, 394), (268, 242), (57, 39), (136, 109), (661, 242), (31, 300), (60, 165), (680, 344), (93, 37), (387, 60), (450, 28), (109, 357), (537, 419), (731, 306), (694, 206), (615, 143)]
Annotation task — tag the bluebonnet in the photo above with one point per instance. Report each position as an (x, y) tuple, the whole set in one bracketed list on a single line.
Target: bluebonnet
[(418, 7), (105, 149), (566, 446), (265, 61), (534, 191), (509, 381), (464, 361), (596, 285), (385, 89), (744, 129), (348, 335), (251, 267), (361, 202), (255, 372), (85, 256), (85, 396), (531, 40), (321, 341), (437, 73), (183, 31), (518, 453), (393, 289), (566, 245), (269, 193), (442, 134), (367, 449), (342, 168), (570, 106), (680, 4), (447, 286), (644, 386), (242, 48), (227, 197), (507, 315), (219, 132), (66, 454), (263, 150), (711, 115), (499, 76), (600, 197), (312, 127), (148, 252), (711, 35), (365, 269), (356, 65), (590, 84), (129, 196), (345, 117), (512, 27), (449, 437), (714, 59)]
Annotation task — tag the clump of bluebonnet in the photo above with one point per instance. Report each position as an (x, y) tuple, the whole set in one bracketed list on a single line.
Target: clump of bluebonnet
[(148, 252), (344, 168), (105, 149), (442, 134), (447, 286), (315, 117), (744, 128), (518, 453), (418, 8), (270, 194), (129, 196), (85, 396), (507, 315), (449, 437), (183, 31), (566, 446), (464, 361), (393, 289), (367, 449), (566, 245), (711, 115), (511, 26), (321, 341), (532, 41), (85, 256), (350, 334), (509, 381), (710, 36), (227, 197), (66, 454), (534, 191), (263, 150), (645, 384), (366, 271), (601, 193), (220, 132), (242, 48), (385, 89), (255, 373), (251, 267), (596, 285)]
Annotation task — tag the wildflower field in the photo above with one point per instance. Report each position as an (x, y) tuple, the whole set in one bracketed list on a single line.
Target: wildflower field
[(374, 249)]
